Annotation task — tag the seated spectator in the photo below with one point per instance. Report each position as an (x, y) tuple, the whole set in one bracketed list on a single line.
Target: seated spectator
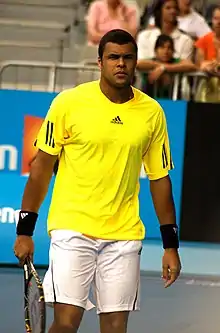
[(165, 14), (105, 15), (208, 46), (189, 21), (161, 66), (208, 60)]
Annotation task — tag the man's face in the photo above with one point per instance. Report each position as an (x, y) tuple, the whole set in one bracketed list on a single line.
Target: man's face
[(216, 21), (118, 64)]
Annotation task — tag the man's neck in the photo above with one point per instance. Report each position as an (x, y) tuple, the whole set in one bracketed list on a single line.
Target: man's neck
[(167, 28), (116, 95)]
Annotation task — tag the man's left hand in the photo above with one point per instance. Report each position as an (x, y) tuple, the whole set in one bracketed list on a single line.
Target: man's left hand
[(171, 266)]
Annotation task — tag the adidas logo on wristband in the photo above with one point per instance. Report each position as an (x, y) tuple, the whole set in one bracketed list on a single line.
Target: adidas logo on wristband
[(23, 215)]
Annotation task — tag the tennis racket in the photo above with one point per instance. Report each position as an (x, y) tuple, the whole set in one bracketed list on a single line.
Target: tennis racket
[(34, 304)]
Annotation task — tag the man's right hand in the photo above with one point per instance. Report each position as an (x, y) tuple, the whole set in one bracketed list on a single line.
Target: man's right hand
[(23, 248)]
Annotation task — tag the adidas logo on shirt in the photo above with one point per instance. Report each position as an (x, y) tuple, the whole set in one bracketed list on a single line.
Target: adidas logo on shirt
[(117, 120)]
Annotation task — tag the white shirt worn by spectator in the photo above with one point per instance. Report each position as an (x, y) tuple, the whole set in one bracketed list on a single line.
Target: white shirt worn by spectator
[(146, 40), (193, 24)]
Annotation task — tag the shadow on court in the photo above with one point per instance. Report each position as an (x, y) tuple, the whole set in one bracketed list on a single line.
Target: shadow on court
[(187, 307)]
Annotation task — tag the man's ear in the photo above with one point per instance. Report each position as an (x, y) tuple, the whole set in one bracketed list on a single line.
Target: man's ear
[(99, 62)]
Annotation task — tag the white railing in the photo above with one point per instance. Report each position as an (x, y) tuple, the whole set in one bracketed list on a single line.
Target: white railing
[(52, 69), (76, 75)]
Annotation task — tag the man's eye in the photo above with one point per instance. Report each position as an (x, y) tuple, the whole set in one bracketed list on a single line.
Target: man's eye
[(113, 56), (129, 56)]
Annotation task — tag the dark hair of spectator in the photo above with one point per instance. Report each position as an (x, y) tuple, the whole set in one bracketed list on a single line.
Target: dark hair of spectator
[(157, 12), (217, 7), (116, 36), (162, 39)]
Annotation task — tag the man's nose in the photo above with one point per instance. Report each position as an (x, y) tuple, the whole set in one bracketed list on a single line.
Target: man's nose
[(121, 62)]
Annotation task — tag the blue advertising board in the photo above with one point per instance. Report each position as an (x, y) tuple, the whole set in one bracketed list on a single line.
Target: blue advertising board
[(176, 120), (15, 107)]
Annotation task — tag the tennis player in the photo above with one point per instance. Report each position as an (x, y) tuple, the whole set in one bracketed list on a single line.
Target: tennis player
[(103, 131)]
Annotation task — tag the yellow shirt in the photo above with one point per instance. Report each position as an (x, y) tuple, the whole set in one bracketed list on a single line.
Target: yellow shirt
[(102, 146)]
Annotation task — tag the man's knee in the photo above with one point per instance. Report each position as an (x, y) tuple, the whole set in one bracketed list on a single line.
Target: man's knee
[(67, 318), (115, 322), (62, 328)]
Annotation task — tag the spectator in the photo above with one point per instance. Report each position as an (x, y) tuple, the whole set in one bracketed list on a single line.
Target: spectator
[(208, 46), (105, 15), (161, 66), (208, 59), (165, 14), (189, 21)]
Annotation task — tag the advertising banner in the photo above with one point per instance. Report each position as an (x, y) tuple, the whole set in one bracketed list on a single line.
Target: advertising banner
[(201, 195)]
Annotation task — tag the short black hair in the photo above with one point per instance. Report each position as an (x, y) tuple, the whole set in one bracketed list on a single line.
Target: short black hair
[(162, 39), (116, 36), (157, 12)]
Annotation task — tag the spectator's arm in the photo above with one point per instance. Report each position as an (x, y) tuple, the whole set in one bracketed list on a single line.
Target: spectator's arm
[(209, 66), (181, 67), (146, 65), (128, 19), (200, 56), (92, 23), (132, 20), (187, 49)]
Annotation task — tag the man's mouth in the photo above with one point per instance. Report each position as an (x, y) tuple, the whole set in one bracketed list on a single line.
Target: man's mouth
[(121, 74)]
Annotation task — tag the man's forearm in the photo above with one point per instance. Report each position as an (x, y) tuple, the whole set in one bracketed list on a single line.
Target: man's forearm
[(36, 188), (161, 191)]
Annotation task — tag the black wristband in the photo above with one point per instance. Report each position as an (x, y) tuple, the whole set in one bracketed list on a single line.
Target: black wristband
[(26, 223), (169, 234)]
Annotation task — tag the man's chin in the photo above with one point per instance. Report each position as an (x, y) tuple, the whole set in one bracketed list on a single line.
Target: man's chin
[(121, 83)]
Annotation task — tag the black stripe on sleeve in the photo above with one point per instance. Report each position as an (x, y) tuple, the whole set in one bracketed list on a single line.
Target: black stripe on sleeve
[(51, 134), (163, 160), (47, 132), (165, 156)]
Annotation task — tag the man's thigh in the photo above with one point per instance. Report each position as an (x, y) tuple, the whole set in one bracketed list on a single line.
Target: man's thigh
[(117, 278), (71, 269)]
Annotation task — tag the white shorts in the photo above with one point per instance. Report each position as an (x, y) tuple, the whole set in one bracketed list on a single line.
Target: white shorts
[(77, 263)]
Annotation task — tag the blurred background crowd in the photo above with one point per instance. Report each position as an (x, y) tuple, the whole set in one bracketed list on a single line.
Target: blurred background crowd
[(52, 44)]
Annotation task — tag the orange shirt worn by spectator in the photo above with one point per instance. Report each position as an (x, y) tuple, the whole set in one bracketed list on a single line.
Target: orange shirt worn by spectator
[(208, 60), (208, 46), (206, 43), (105, 15)]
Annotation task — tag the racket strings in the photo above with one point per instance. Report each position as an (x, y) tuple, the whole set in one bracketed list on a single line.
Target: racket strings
[(34, 299), (34, 303)]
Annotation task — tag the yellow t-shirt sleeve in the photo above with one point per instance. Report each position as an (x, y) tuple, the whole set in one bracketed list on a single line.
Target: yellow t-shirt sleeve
[(157, 159), (50, 138)]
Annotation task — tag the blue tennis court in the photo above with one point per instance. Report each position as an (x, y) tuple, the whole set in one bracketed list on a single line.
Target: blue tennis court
[(189, 306)]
